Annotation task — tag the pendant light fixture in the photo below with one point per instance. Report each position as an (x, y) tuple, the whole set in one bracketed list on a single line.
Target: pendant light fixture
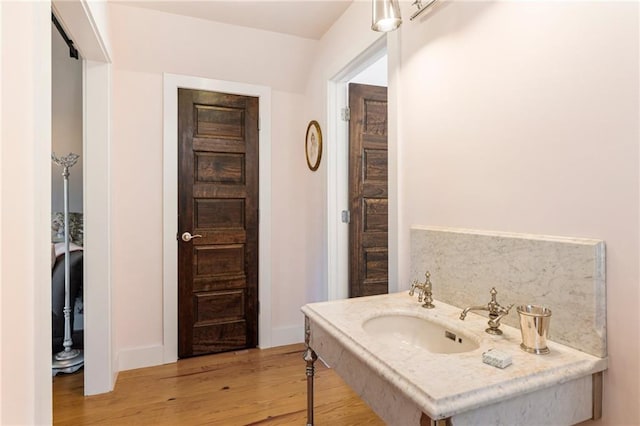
[(386, 15)]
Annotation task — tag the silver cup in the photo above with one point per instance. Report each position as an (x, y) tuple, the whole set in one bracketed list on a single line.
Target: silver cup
[(534, 326)]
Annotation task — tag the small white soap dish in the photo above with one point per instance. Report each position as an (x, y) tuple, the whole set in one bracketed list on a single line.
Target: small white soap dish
[(496, 358)]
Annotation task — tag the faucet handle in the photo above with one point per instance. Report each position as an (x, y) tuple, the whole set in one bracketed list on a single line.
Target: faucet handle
[(414, 284), (493, 294), (494, 307)]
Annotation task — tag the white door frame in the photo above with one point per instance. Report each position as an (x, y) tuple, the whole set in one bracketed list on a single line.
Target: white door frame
[(338, 173), (170, 204)]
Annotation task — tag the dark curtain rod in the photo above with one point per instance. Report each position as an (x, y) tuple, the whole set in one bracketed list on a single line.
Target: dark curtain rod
[(73, 52)]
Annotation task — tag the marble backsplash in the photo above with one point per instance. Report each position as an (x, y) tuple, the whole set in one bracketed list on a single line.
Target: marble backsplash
[(566, 275)]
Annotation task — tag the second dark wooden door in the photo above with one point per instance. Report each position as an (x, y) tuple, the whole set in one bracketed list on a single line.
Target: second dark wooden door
[(218, 205), (368, 240)]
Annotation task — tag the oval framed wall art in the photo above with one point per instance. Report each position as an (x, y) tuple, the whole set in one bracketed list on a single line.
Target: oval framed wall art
[(313, 145)]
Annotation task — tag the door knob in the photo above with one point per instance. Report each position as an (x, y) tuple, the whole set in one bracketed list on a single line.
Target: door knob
[(186, 237)]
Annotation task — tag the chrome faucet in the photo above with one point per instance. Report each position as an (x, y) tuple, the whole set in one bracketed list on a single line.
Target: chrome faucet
[(496, 313), (424, 291)]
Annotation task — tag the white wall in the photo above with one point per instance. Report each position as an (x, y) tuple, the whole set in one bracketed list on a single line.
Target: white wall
[(334, 54), (293, 264), (1, 253), (25, 191), (375, 74), (146, 44), (523, 117), (66, 121)]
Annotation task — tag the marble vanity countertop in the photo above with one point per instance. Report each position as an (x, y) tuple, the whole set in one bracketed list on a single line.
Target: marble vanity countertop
[(444, 385)]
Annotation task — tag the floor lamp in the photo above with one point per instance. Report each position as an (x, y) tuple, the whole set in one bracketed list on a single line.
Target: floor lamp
[(68, 360)]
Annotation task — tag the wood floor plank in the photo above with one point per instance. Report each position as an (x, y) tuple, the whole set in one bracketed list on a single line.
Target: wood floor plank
[(253, 387)]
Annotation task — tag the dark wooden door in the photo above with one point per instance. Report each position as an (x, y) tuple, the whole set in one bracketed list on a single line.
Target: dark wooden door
[(218, 200), (368, 240)]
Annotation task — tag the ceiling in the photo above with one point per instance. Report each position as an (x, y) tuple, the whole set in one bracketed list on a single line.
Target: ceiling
[(302, 18)]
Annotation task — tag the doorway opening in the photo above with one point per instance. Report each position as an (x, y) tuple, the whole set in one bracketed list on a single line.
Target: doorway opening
[(85, 26), (66, 203), (370, 67)]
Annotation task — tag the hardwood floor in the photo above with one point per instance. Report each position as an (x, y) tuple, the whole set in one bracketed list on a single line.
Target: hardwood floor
[(253, 387)]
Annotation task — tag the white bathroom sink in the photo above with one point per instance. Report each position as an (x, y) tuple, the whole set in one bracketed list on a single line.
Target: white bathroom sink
[(404, 330)]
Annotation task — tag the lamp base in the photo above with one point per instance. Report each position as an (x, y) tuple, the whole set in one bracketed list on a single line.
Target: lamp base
[(67, 361)]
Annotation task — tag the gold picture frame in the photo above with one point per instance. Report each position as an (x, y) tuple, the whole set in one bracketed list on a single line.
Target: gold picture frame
[(313, 145)]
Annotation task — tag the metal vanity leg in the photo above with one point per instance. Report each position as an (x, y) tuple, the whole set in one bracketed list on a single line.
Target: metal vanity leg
[(310, 357)]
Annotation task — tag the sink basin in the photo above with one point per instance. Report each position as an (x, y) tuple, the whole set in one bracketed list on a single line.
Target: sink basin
[(405, 330)]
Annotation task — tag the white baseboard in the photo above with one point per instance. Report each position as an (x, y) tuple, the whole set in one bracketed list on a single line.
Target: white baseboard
[(148, 356), (115, 370), (286, 335)]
